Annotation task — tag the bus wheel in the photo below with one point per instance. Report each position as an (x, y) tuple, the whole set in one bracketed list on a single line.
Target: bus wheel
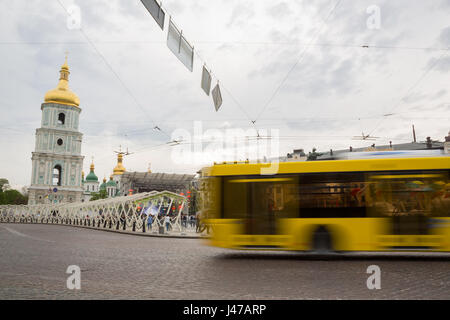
[(321, 241)]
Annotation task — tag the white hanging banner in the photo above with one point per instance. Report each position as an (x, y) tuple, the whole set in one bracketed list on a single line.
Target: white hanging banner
[(155, 10), (217, 97), (180, 46), (206, 81)]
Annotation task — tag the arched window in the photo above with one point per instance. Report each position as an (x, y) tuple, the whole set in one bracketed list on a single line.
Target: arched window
[(61, 118), (57, 175)]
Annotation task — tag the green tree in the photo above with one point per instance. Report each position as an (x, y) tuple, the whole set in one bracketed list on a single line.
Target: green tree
[(99, 195), (12, 197), (3, 182)]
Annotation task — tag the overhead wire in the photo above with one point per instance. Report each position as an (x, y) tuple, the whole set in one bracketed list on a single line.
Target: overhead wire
[(302, 55), (258, 118), (275, 43), (410, 89), (114, 73)]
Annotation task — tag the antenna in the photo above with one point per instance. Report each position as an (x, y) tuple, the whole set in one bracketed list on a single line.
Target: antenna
[(364, 137), (122, 152)]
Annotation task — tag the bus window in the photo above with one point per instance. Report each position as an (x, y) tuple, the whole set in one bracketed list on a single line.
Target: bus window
[(210, 199), (410, 199), (328, 195), (236, 195), (407, 194)]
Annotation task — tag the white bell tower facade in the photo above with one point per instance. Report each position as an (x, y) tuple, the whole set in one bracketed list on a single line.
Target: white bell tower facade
[(57, 161)]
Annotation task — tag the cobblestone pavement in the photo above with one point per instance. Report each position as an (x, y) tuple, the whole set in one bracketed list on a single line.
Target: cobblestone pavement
[(34, 259)]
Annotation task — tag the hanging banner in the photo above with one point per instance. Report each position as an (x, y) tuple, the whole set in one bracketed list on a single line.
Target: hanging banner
[(206, 81), (217, 97), (180, 46), (156, 11)]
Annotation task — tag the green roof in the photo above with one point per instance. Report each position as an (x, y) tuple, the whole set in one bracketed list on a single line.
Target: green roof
[(111, 183), (91, 177)]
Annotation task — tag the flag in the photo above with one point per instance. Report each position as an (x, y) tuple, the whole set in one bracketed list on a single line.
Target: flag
[(217, 97), (206, 81), (154, 210), (180, 47), (145, 210), (156, 11)]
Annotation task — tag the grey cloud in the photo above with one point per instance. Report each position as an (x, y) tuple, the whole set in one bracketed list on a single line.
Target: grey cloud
[(325, 83), (312, 127), (417, 97), (436, 108), (441, 64), (279, 10), (439, 94), (414, 97), (444, 37), (177, 7), (240, 14), (318, 78)]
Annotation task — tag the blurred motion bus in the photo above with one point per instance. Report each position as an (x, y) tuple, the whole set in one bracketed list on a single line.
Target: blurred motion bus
[(387, 203)]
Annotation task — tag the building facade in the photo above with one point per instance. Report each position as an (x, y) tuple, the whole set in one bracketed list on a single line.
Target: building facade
[(90, 184), (57, 161), (118, 171), (447, 144)]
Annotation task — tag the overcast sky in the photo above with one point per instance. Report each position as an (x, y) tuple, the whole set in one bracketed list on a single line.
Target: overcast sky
[(294, 66)]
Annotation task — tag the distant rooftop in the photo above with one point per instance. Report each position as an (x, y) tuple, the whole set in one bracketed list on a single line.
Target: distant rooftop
[(149, 181), (426, 145)]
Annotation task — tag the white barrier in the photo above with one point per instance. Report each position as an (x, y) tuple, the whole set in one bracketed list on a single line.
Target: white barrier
[(120, 213)]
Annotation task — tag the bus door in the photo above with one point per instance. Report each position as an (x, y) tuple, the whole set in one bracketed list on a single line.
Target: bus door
[(261, 212), (409, 203), (261, 202)]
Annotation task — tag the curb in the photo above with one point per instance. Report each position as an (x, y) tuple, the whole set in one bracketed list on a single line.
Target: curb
[(118, 231)]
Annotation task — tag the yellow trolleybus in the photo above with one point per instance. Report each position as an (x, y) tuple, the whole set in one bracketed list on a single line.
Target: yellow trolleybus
[(377, 204)]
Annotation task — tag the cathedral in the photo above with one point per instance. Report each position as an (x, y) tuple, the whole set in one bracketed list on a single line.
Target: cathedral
[(112, 187), (57, 161), (57, 164)]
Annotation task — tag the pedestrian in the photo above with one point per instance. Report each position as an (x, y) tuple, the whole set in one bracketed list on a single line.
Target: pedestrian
[(197, 220), (149, 222), (167, 221)]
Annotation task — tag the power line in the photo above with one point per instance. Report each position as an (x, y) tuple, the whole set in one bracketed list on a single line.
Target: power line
[(114, 72), (228, 91), (299, 60), (424, 74), (214, 75), (275, 43)]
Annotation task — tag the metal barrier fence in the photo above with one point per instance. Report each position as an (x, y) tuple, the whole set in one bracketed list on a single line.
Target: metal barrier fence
[(120, 213)]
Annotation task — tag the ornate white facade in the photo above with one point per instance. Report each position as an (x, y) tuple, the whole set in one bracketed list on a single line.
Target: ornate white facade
[(57, 161)]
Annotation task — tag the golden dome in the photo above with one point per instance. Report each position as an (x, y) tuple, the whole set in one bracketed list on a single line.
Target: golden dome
[(62, 94), (119, 169)]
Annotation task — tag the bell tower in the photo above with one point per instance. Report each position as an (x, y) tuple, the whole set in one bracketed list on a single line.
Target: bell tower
[(57, 161)]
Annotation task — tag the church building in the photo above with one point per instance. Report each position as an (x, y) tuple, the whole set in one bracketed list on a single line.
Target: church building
[(57, 161), (90, 184)]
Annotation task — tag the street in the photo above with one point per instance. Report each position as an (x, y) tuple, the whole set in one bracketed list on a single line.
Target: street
[(34, 260)]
